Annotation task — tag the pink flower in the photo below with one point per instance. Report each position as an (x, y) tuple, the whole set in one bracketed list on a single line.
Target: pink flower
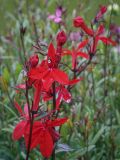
[(57, 17)]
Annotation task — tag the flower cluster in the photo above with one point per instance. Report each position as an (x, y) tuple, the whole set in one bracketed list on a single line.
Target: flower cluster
[(51, 82)]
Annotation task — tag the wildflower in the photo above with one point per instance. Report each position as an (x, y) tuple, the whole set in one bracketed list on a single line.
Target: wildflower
[(48, 70), (61, 38), (33, 60), (76, 53), (100, 14), (79, 23), (20, 128), (44, 134), (57, 17)]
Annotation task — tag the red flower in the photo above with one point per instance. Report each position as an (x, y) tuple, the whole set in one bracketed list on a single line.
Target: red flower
[(61, 38), (100, 14), (62, 94), (44, 134), (48, 72), (76, 53), (37, 93), (33, 61), (79, 22), (20, 128), (99, 37)]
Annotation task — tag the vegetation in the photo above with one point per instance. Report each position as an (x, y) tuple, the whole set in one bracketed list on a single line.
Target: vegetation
[(92, 128)]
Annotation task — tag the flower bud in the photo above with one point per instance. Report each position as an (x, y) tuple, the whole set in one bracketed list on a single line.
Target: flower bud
[(61, 38), (33, 61), (79, 22)]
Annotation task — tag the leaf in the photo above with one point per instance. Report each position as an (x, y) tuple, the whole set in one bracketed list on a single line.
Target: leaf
[(6, 75), (81, 152), (97, 136), (9, 109), (63, 148), (22, 74), (118, 116)]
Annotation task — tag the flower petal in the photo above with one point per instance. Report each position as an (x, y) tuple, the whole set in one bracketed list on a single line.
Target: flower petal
[(37, 94), (47, 81), (36, 74), (46, 144), (51, 52), (74, 81), (60, 76), (83, 55), (66, 95), (82, 44), (57, 122), (107, 41), (19, 130), (66, 52), (17, 106)]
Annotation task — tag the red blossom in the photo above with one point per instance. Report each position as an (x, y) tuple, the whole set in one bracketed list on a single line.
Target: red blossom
[(47, 71), (100, 14), (44, 134), (79, 23), (61, 38), (20, 128), (33, 61), (98, 36), (76, 53), (62, 94)]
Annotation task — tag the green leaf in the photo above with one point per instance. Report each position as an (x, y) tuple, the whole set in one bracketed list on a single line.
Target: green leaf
[(97, 136)]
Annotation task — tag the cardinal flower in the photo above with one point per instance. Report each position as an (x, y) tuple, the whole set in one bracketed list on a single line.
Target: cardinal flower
[(76, 53), (44, 135), (48, 70), (37, 94), (20, 128), (79, 23), (98, 36), (100, 14), (61, 38), (33, 60), (62, 93)]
